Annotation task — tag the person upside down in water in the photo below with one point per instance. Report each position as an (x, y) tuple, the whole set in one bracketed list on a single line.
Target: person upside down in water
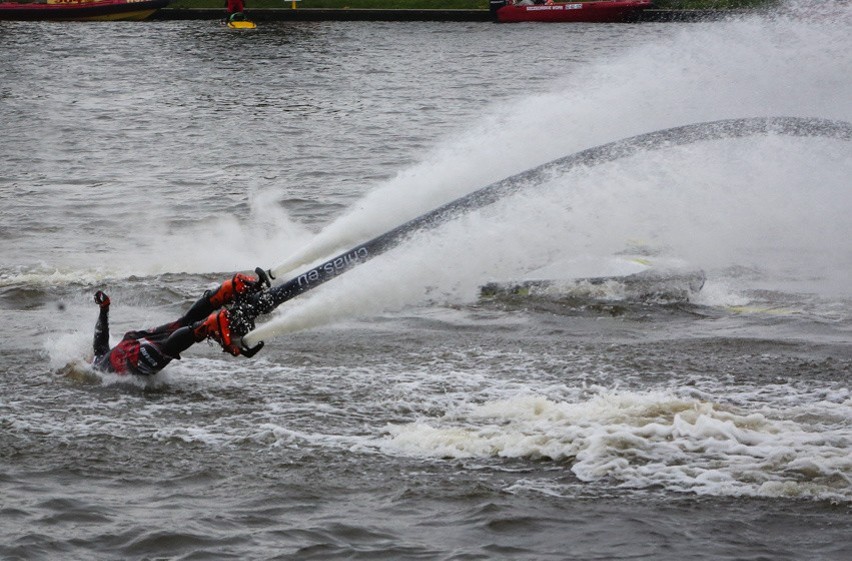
[(147, 352)]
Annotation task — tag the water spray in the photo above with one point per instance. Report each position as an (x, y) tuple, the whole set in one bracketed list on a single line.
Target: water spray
[(244, 313)]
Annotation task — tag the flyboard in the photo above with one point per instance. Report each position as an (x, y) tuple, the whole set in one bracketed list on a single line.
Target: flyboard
[(244, 312)]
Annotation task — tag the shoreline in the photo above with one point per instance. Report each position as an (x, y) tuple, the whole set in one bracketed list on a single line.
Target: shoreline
[(324, 14)]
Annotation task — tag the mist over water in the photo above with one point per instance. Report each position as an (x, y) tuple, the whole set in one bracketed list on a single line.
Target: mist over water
[(777, 205)]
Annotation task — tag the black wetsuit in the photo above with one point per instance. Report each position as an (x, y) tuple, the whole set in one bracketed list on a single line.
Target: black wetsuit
[(147, 352)]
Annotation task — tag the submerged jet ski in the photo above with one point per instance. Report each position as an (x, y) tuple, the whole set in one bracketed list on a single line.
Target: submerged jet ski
[(639, 278)]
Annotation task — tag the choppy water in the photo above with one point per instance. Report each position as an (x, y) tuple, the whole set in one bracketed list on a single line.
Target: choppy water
[(402, 416)]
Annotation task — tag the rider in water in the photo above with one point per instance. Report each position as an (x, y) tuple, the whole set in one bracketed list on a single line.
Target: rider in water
[(147, 352)]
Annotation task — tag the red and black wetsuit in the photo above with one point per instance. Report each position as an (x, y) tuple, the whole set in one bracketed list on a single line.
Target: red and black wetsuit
[(147, 352)]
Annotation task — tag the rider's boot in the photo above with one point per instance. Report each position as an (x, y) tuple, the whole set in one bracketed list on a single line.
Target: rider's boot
[(217, 327), (228, 290)]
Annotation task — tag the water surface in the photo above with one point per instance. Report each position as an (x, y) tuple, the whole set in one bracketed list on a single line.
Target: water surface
[(402, 416)]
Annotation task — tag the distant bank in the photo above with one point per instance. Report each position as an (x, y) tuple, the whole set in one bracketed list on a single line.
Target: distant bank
[(357, 14)]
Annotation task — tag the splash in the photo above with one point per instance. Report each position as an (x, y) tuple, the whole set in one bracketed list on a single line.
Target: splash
[(652, 439), (705, 73), (678, 136), (775, 204)]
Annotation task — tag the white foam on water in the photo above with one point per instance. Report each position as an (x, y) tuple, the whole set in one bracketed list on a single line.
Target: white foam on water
[(770, 440), (46, 276), (720, 294), (653, 439)]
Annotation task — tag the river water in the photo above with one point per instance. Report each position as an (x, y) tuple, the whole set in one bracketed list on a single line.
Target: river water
[(398, 414)]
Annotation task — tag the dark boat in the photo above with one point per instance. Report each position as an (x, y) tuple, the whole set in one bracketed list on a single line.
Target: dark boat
[(602, 11), (80, 10)]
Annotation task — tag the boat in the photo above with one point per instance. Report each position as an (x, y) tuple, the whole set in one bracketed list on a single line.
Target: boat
[(79, 10), (600, 11)]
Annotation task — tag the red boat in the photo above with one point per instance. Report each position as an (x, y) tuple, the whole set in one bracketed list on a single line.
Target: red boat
[(79, 10), (602, 11)]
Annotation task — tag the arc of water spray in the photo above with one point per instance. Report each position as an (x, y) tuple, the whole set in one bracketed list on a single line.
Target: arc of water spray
[(244, 314), (795, 126)]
